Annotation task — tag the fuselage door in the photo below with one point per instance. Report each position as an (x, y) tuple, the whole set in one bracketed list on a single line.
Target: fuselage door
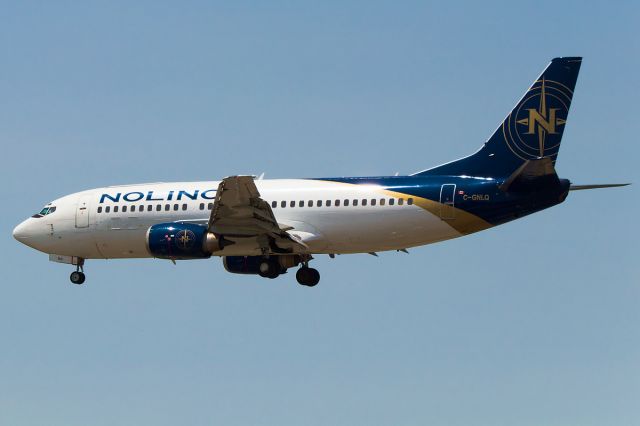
[(447, 201), (82, 212)]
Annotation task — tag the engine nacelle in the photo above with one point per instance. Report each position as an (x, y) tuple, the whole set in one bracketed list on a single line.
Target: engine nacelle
[(181, 241), (251, 264)]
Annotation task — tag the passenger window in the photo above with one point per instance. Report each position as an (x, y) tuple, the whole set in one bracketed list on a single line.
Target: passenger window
[(100, 209), (410, 201), (300, 203), (175, 207), (283, 204), (167, 207), (115, 209), (310, 203), (201, 206), (373, 201), (158, 207), (328, 203), (319, 203), (346, 203), (141, 208), (149, 207), (274, 204), (382, 201), (184, 206), (364, 201), (292, 204), (210, 206), (400, 201), (355, 202), (392, 201), (107, 209), (124, 209), (337, 203)]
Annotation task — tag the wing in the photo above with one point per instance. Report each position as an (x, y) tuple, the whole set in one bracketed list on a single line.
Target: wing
[(239, 213)]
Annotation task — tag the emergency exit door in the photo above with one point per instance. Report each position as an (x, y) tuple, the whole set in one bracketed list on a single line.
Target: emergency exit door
[(447, 201)]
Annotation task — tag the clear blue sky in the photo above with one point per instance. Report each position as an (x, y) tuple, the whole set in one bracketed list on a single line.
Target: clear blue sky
[(536, 322)]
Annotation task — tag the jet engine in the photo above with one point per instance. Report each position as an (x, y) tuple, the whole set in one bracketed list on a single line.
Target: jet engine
[(181, 241)]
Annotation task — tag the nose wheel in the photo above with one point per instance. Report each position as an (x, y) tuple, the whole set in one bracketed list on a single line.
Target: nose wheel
[(77, 276)]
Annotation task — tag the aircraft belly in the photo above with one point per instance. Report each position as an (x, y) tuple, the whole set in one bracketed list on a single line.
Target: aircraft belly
[(346, 232)]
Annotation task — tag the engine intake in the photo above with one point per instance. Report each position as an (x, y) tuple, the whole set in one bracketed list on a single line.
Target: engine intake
[(181, 241)]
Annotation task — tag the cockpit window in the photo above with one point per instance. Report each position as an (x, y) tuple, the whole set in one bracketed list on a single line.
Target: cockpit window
[(45, 211)]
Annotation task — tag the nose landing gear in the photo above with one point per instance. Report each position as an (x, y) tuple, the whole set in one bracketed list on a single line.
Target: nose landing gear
[(77, 276)]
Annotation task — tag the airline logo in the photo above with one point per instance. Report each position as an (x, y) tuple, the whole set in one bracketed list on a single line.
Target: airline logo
[(534, 128), (173, 195), (185, 239)]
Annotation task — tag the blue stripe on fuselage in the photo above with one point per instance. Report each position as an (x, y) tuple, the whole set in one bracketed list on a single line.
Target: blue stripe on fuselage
[(481, 197)]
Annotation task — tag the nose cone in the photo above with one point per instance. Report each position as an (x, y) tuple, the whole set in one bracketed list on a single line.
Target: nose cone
[(35, 234), (21, 232)]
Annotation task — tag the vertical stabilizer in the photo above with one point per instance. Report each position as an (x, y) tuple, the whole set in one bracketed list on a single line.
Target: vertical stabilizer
[(532, 130)]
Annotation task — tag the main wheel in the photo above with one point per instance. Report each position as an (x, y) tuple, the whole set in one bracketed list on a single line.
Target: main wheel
[(77, 277), (308, 276), (314, 277), (269, 268)]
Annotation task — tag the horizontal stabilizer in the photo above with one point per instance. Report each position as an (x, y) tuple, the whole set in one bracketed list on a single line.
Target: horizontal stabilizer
[(605, 185)]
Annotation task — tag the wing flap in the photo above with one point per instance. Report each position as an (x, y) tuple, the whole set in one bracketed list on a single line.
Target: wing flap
[(238, 211)]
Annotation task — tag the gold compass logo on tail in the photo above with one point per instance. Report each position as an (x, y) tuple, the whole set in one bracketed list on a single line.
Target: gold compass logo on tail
[(534, 128)]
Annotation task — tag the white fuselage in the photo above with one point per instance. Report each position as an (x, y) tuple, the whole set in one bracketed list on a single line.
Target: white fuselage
[(81, 225)]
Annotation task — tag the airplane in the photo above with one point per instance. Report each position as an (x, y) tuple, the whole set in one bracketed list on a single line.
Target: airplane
[(266, 227)]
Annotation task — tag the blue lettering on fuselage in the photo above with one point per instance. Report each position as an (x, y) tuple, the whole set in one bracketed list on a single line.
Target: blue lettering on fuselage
[(150, 197), (114, 199), (206, 196), (135, 196), (193, 196)]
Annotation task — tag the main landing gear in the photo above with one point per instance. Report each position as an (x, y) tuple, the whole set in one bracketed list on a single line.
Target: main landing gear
[(307, 276), (77, 276), (272, 267), (269, 268)]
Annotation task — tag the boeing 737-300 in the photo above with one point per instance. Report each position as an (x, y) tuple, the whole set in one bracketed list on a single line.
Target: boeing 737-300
[(266, 227)]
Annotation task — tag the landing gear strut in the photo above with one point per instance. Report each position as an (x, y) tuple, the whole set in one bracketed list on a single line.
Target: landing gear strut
[(77, 276)]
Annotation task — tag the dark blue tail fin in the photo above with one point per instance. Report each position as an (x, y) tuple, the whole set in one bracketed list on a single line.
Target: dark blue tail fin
[(532, 131)]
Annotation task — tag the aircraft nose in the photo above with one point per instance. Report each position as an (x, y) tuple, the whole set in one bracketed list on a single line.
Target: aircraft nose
[(20, 232)]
